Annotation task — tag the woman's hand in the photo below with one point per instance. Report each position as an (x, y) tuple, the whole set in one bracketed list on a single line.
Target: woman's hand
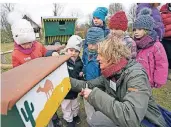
[(86, 92)]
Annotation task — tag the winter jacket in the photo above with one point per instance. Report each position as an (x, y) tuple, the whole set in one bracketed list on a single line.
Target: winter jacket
[(74, 68), (154, 60), (19, 57), (91, 67), (106, 32), (159, 27), (166, 16), (130, 43), (130, 103)]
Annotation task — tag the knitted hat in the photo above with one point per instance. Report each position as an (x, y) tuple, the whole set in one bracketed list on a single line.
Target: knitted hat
[(94, 35), (75, 42), (144, 20), (101, 13), (118, 21), (22, 30)]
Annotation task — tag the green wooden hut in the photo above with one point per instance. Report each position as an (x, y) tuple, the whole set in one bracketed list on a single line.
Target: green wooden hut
[(55, 28)]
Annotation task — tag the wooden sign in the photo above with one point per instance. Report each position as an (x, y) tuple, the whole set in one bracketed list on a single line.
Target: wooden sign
[(36, 96)]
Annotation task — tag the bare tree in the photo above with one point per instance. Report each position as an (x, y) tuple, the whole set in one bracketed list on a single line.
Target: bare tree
[(58, 8), (132, 12), (89, 20), (114, 7), (6, 34), (76, 13)]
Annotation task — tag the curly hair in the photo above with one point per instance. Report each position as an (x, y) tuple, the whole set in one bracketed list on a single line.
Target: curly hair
[(113, 49)]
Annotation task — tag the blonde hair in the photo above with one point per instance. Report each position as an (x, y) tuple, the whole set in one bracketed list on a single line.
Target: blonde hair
[(112, 49)]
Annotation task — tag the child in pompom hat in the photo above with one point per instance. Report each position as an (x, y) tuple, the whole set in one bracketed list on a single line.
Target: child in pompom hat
[(26, 47), (118, 24), (155, 14), (98, 20), (91, 66), (70, 105), (151, 53)]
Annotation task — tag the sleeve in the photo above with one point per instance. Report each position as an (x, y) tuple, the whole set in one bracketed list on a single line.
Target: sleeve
[(161, 65), (43, 49), (78, 85), (85, 45), (55, 47), (49, 53), (84, 61), (134, 49), (15, 61), (131, 110)]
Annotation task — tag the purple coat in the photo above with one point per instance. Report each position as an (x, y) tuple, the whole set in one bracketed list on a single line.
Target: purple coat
[(159, 27)]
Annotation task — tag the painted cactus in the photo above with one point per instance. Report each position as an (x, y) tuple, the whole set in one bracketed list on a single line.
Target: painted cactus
[(28, 114)]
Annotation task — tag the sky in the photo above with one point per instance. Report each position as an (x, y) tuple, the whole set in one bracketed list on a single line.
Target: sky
[(36, 11)]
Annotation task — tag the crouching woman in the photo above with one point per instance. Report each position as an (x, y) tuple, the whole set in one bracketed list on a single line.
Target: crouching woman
[(122, 95)]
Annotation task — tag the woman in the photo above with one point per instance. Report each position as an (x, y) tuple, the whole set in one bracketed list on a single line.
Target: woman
[(127, 100)]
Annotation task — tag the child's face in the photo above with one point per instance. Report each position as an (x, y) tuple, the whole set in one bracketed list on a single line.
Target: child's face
[(26, 45), (75, 53), (97, 21), (139, 33), (117, 32), (92, 47)]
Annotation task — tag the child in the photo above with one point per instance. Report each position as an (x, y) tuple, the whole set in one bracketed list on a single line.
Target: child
[(26, 47), (118, 24), (166, 41), (70, 106), (91, 66), (151, 53), (99, 21), (155, 13)]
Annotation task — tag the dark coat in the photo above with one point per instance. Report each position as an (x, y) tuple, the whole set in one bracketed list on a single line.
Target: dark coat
[(74, 69)]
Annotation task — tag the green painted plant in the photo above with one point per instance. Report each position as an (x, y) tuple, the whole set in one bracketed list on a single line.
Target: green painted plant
[(28, 115)]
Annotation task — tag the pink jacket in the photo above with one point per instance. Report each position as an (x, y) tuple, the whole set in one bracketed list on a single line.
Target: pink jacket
[(154, 60)]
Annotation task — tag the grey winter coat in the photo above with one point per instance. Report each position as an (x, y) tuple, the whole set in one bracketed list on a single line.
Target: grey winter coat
[(130, 103)]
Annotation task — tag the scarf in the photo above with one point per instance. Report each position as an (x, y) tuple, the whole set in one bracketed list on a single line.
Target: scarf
[(91, 54), (146, 41), (114, 68), (25, 51)]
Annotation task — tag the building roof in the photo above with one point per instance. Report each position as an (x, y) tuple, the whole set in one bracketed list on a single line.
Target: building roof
[(56, 18), (33, 23)]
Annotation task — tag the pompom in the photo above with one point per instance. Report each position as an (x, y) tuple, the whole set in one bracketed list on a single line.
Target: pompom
[(13, 17), (145, 11)]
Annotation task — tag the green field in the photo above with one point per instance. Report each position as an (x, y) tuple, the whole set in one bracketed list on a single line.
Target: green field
[(162, 95)]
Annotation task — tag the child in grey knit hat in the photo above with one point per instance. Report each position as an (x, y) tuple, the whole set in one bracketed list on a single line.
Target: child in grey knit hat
[(151, 53)]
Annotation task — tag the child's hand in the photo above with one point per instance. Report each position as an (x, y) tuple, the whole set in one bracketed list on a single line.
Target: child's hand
[(55, 54), (81, 74)]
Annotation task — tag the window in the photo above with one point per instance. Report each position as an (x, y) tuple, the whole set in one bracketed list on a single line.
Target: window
[(61, 22)]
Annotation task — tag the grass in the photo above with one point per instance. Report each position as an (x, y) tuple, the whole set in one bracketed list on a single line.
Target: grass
[(161, 95), (6, 46)]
